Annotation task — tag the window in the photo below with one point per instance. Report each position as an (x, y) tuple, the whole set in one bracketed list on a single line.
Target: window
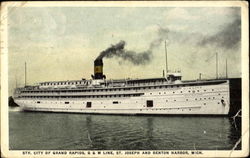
[(66, 102), (115, 102), (38, 102), (149, 103), (88, 105)]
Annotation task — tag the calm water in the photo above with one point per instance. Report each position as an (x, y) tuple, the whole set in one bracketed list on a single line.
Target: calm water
[(34, 130)]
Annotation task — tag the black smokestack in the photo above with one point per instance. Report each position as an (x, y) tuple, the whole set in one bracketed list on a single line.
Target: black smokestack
[(135, 58), (98, 69)]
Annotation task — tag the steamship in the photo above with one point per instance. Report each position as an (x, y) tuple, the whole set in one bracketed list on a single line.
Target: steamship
[(166, 95)]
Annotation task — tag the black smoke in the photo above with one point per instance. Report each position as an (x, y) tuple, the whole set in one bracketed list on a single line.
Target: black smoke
[(118, 50), (141, 58), (229, 37)]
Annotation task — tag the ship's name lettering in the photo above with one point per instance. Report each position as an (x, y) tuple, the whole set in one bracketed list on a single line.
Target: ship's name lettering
[(26, 153), (38, 152), (59, 152), (76, 152)]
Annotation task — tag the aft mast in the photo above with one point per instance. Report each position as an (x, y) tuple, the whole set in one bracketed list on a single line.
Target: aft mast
[(166, 58), (226, 69), (216, 65), (25, 74)]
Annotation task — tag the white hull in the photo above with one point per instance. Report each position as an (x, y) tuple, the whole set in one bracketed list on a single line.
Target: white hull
[(183, 100)]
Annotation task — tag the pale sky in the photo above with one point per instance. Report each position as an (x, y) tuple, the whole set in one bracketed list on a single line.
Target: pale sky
[(61, 43)]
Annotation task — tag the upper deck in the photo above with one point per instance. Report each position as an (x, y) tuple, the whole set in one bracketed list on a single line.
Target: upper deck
[(123, 84)]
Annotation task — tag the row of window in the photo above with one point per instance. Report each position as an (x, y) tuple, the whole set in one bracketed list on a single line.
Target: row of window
[(109, 96), (86, 96), (62, 83), (84, 82), (106, 90), (182, 91), (149, 104)]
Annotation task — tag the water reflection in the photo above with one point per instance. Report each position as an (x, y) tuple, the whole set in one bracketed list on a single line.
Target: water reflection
[(79, 131), (235, 132), (149, 133)]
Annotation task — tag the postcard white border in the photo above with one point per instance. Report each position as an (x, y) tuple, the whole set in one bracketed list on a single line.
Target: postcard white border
[(5, 152)]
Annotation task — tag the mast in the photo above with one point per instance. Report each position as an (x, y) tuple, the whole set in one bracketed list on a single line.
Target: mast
[(25, 78), (16, 81), (226, 69), (216, 65), (166, 58)]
